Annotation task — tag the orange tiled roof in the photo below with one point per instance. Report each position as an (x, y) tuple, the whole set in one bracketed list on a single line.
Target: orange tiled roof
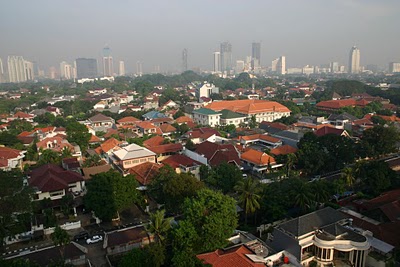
[(94, 139), (59, 143), (336, 104), (145, 125), (248, 106), (257, 157), (233, 257), (9, 153), (330, 130), (154, 141), (283, 150), (183, 119), (264, 137), (167, 128), (145, 172), (167, 148), (128, 119), (108, 145), (22, 115)]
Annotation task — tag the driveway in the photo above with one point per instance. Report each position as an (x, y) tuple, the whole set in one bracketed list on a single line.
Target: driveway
[(97, 255)]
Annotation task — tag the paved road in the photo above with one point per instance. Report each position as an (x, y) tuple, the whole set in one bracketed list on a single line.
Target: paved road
[(97, 255)]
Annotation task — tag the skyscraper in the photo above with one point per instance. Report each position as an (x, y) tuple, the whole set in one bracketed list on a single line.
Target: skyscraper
[(281, 65), (16, 69), (354, 60), (108, 67), (255, 55), (29, 72), (66, 71), (184, 60), (2, 80), (239, 66), (274, 65), (226, 56), (139, 71), (86, 68), (334, 66), (121, 68), (394, 67), (216, 62)]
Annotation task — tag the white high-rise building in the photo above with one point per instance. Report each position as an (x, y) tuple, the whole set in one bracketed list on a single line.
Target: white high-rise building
[(121, 71), (281, 65), (108, 67), (240, 66), (394, 67), (354, 60), (29, 70), (217, 62), (66, 71), (334, 66), (2, 78), (16, 69), (274, 65)]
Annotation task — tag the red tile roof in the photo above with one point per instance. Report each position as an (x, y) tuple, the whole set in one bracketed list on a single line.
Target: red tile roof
[(183, 119), (125, 236), (22, 115), (154, 141), (203, 133), (145, 172), (177, 160), (50, 178), (107, 145), (167, 148), (283, 150), (145, 125), (232, 257), (257, 157), (218, 153), (9, 153), (167, 128), (264, 137), (128, 120), (94, 139), (330, 130), (248, 106)]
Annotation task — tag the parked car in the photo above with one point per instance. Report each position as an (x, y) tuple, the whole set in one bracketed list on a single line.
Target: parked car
[(81, 235), (94, 239)]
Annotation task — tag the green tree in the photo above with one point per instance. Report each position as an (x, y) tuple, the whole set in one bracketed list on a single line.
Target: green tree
[(380, 140), (184, 247), (49, 156), (249, 195), (303, 197), (190, 145), (224, 177), (109, 193), (60, 238), (159, 225), (253, 122), (348, 176), (92, 160), (78, 133), (135, 258)]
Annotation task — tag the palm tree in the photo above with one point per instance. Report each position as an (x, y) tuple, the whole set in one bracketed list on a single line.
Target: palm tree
[(290, 162), (60, 238), (303, 197), (248, 195), (348, 176), (159, 225)]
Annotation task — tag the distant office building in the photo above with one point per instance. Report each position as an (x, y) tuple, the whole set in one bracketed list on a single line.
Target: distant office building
[(372, 67), (394, 67), (108, 67), (293, 71), (239, 66), (281, 65), (226, 57), (334, 66), (121, 71), (274, 65), (184, 60), (354, 60), (16, 69), (307, 70), (66, 71), (29, 72), (86, 68), (139, 70), (217, 62), (255, 56), (2, 78), (53, 73)]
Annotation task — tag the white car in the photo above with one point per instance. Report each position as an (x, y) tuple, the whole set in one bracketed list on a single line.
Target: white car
[(94, 239)]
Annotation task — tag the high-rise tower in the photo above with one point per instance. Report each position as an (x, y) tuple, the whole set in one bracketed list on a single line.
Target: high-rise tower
[(121, 71), (184, 60), (255, 56), (108, 67), (86, 68), (216, 61), (226, 57), (281, 65), (354, 60), (16, 69)]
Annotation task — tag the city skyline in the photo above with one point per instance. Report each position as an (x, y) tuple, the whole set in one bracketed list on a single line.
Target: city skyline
[(161, 33)]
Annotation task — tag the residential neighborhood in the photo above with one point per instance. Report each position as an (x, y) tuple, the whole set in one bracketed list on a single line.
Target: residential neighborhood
[(198, 174)]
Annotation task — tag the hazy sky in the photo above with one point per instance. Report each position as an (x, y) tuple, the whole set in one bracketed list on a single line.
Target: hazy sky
[(156, 31)]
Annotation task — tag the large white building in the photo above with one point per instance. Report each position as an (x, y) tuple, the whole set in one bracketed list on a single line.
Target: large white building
[(394, 67), (206, 89), (354, 60), (108, 67), (2, 78), (16, 69), (281, 65), (121, 71), (66, 71), (216, 62)]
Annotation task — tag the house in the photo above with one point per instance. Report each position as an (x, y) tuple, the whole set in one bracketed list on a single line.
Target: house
[(205, 116), (73, 254), (229, 117), (88, 172), (262, 139), (273, 127), (325, 236), (327, 129), (145, 172), (213, 154), (151, 115), (340, 120), (11, 158), (21, 116), (170, 105), (263, 110), (150, 102), (167, 129), (289, 137), (259, 161), (199, 135), (283, 150), (160, 121), (124, 240), (183, 164), (183, 120), (206, 90), (100, 122), (108, 147), (58, 144), (146, 127), (131, 156), (128, 121), (335, 105), (165, 150), (52, 181), (154, 141)]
